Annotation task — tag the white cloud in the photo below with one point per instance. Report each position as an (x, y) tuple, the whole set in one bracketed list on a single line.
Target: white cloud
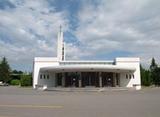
[(29, 30), (125, 25)]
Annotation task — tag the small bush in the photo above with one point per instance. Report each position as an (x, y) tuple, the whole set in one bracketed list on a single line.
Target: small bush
[(15, 82), (26, 80)]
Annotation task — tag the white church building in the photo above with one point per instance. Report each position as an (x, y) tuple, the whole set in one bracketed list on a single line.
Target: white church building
[(58, 72)]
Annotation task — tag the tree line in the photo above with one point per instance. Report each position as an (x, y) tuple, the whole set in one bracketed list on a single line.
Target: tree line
[(13, 77), (150, 76)]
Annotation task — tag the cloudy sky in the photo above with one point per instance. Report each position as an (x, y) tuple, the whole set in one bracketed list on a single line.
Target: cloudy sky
[(93, 29)]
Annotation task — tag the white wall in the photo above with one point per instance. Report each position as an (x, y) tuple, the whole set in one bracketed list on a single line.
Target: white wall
[(129, 62), (48, 80), (126, 81), (40, 63)]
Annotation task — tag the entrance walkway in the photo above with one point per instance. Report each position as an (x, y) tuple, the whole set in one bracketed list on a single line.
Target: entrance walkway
[(88, 89)]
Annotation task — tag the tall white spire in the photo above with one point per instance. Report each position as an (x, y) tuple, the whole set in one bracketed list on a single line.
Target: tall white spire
[(61, 46)]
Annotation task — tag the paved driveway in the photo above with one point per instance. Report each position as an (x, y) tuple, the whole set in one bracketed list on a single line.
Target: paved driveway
[(25, 102)]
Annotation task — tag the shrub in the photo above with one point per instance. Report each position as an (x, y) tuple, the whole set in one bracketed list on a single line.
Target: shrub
[(26, 80), (15, 82)]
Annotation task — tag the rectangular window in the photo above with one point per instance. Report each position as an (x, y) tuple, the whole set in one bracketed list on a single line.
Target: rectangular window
[(44, 76), (47, 76), (41, 76), (130, 76), (126, 76)]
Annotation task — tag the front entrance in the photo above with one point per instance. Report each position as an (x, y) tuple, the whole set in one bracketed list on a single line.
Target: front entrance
[(84, 79), (71, 79), (107, 79), (89, 79)]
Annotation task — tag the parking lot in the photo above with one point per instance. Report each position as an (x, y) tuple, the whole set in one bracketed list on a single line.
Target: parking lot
[(26, 102)]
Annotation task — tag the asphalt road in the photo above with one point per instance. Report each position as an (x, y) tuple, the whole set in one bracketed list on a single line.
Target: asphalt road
[(25, 102)]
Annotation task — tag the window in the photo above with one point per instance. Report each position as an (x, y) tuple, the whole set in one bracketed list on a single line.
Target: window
[(44, 76), (126, 76), (133, 76), (41, 76), (47, 76), (130, 76)]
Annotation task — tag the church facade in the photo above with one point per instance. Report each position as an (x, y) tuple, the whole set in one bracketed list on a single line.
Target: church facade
[(58, 72)]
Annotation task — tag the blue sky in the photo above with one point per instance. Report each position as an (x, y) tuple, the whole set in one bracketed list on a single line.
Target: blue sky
[(93, 29)]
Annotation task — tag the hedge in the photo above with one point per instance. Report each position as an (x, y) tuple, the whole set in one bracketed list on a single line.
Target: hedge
[(15, 82), (26, 80)]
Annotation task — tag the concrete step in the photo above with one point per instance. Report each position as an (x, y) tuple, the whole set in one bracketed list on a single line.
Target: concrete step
[(87, 89)]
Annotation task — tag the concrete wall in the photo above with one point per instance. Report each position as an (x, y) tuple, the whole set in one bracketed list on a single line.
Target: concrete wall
[(41, 62), (135, 76), (126, 81), (46, 78)]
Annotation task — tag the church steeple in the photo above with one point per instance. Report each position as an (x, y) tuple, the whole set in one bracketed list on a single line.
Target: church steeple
[(61, 45), (60, 28)]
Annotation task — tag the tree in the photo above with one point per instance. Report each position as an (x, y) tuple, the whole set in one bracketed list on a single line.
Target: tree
[(17, 72), (153, 74), (157, 76), (4, 70), (153, 65), (145, 77)]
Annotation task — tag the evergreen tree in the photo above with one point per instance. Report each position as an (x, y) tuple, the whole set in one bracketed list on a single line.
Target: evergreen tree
[(153, 67), (157, 76), (145, 77), (4, 70)]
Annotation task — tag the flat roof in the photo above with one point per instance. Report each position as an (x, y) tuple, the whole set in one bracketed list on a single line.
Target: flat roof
[(75, 68)]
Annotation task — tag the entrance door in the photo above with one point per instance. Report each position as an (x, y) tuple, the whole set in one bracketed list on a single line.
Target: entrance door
[(107, 79), (89, 79), (72, 79), (86, 79)]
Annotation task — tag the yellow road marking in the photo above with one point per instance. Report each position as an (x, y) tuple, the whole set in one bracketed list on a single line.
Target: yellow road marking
[(33, 106)]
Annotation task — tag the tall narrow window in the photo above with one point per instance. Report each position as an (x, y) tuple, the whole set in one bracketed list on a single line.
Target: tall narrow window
[(47, 76), (126, 76), (41, 76)]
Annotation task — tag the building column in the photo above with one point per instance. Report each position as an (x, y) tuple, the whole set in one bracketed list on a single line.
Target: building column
[(63, 79), (118, 79), (100, 79), (114, 79), (55, 80), (80, 80)]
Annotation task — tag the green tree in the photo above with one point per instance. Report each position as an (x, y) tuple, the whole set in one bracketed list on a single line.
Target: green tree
[(4, 70), (153, 74), (17, 72), (157, 76), (153, 65), (145, 77)]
